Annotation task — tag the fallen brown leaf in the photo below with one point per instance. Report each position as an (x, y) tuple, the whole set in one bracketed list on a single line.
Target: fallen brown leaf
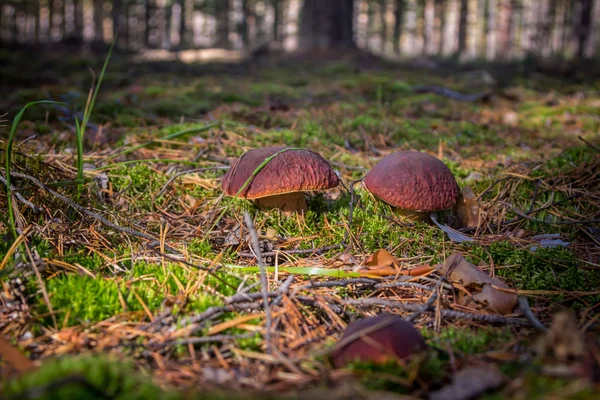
[(469, 383), (473, 278), (14, 357)]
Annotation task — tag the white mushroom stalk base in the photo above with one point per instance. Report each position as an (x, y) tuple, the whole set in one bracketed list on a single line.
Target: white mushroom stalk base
[(287, 203)]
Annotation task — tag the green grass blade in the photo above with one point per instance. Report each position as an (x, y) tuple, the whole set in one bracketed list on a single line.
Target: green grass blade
[(8, 156), (333, 273), (88, 110)]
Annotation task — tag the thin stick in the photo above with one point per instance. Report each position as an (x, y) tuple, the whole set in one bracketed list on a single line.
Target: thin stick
[(523, 215), (263, 275)]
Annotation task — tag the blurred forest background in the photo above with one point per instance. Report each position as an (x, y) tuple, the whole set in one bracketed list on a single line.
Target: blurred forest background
[(462, 29)]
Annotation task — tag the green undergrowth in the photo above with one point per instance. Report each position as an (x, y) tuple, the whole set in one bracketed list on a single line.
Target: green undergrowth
[(82, 299), (96, 377)]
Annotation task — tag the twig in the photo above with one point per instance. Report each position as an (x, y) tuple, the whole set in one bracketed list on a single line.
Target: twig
[(208, 339), (240, 297), (589, 144), (263, 275), (489, 318), (524, 215), (20, 197), (425, 307), (87, 212), (293, 251), (527, 313), (442, 91)]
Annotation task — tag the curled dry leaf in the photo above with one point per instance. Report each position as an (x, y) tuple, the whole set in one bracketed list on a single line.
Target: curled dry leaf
[(469, 383), (470, 276), (381, 263)]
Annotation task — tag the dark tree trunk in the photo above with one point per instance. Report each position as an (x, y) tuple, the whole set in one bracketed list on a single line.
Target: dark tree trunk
[(440, 12), (147, 18), (277, 20), (244, 26), (78, 4), (182, 24), (382, 6), (117, 17), (583, 27), (398, 23), (98, 20), (51, 17), (222, 13), (168, 24), (462, 27), (327, 25)]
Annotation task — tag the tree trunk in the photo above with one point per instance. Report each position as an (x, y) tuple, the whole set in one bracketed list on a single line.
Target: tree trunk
[(244, 25), (440, 12), (168, 12), (222, 13), (398, 24), (277, 19), (462, 27), (98, 20), (182, 24), (51, 16), (428, 26), (147, 17), (78, 4), (117, 17), (327, 25), (583, 27), (383, 28), (490, 27)]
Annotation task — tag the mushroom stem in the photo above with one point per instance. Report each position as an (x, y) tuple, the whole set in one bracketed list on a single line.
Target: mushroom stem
[(288, 202), (410, 215)]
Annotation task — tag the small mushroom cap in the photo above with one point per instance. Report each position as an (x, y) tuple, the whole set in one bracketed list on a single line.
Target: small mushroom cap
[(290, 171), (395, 339), (413, 181)]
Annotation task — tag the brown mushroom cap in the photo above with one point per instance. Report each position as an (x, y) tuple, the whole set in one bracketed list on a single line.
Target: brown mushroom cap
[(290, 171), (413, 181), (386, 337)]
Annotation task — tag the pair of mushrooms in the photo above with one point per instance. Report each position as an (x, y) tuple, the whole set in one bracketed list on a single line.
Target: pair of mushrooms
[(414, 183)]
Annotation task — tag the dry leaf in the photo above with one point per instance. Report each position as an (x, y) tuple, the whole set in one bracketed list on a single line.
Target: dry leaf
[(467, 209), (13, 356), (473, 278), (380, 263), (469, 383)]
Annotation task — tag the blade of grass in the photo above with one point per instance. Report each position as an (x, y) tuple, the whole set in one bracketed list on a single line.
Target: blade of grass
[(301, 271), (89, 107)]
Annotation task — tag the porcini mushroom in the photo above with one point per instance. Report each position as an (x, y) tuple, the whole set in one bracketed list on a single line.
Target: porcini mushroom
[(378, 340), (414, 183), (280, 183)]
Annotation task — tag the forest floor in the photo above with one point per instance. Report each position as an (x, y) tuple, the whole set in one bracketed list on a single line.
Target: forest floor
[(153, 276)]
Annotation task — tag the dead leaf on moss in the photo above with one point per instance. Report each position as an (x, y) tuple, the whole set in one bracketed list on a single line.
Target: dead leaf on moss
[(473, 278), (381, 263), (469, 383)]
